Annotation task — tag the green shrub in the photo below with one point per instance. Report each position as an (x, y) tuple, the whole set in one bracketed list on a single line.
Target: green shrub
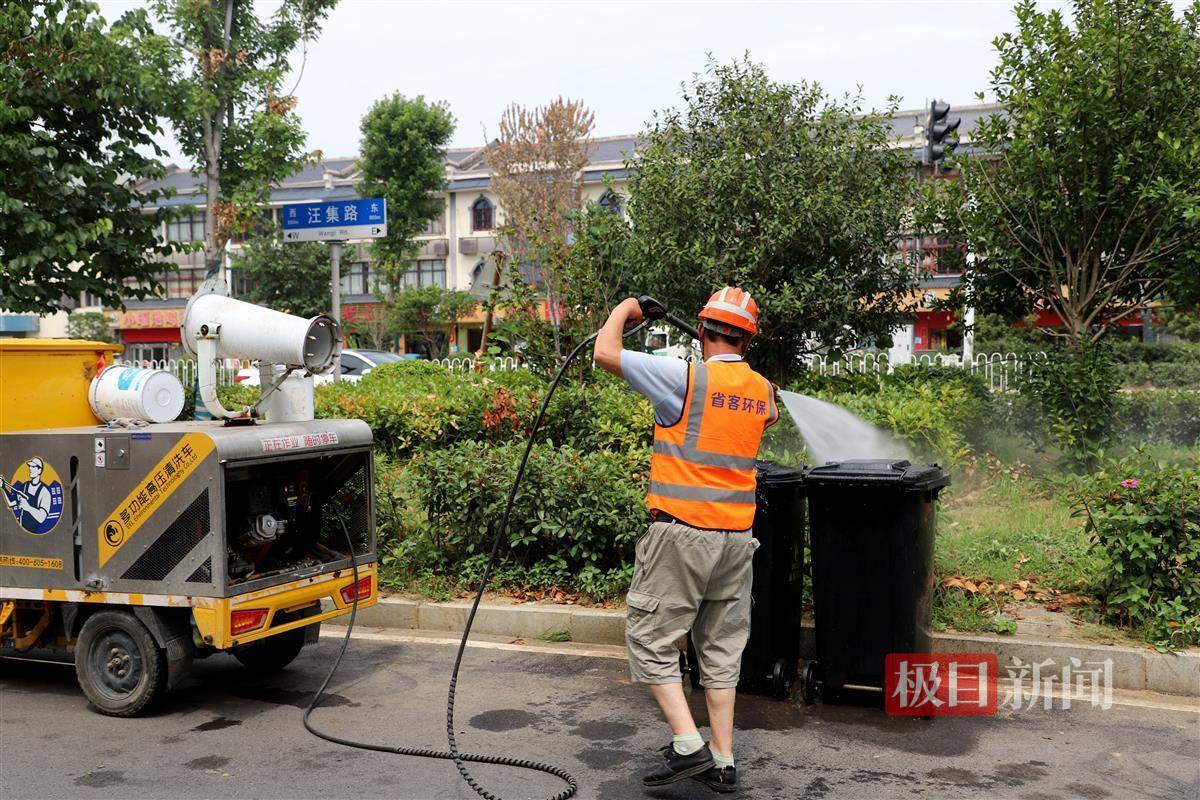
[(1145, 519), (1161, 374), (418, 406), (1131, 351), (1171, 417), (1075, 394), (574, 508)]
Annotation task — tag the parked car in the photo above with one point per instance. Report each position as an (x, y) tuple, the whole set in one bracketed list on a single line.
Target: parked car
[(355, 364)]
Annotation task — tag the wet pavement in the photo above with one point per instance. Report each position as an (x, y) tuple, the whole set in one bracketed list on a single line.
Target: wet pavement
[(225, 733)]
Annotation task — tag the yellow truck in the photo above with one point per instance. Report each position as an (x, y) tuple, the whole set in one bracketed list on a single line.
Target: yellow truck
[(134, 548)]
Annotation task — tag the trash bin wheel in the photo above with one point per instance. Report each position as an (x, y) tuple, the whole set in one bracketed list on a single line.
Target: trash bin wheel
[(811, 688), (781, 684), (118, 664)]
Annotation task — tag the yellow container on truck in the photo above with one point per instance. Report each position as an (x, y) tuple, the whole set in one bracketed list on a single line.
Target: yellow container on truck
[(44, 382)]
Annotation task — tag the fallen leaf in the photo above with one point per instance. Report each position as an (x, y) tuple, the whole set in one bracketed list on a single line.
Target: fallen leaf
[(970, 586), (1021, 559), (1023, 584), (952, 582), (1018, 594)]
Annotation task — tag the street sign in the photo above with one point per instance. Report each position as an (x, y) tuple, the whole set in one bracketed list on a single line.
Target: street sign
[(335, 220)]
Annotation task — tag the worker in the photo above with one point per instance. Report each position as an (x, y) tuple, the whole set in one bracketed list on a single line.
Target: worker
[(692, 569), (30, 500)]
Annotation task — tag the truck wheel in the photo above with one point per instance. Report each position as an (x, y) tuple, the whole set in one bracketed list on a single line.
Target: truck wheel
[(118, 664), (273, 653)]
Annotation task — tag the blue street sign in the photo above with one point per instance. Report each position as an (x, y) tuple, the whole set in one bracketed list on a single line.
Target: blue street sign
[(335, 220)]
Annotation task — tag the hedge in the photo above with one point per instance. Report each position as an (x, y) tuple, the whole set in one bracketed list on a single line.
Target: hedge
[(414, 406)]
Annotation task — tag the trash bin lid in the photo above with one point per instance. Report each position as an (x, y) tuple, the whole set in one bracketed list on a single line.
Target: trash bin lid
[(876, 471), (772, 474)]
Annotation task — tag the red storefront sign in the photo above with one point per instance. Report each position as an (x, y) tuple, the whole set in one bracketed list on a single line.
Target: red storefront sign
[(150, 324)]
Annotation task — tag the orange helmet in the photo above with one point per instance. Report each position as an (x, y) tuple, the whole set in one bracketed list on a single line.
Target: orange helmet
[(732, 312)]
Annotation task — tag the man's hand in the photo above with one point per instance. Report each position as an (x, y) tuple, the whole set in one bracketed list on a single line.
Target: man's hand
[(633, 311), (607, 352)]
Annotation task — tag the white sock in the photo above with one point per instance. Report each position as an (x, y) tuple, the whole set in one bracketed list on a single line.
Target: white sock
[(688, 743), (722, 760)]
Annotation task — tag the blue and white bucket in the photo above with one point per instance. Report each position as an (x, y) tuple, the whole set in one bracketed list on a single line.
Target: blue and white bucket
[(153, 395)]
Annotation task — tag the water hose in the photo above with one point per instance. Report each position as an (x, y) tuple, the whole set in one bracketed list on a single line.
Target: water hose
[(460, 759)]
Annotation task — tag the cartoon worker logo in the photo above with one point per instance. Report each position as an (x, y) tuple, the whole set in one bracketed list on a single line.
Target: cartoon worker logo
[(35, 496)]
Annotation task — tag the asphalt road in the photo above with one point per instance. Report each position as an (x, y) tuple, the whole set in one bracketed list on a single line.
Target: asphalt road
[(226, 734)]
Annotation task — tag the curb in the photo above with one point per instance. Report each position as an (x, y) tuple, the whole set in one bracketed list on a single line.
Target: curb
[(1132, 667)]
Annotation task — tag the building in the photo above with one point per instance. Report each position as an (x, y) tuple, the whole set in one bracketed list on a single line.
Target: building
[(455, 247)]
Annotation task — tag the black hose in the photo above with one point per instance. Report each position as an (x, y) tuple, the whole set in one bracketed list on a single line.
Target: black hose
[(453, 753)]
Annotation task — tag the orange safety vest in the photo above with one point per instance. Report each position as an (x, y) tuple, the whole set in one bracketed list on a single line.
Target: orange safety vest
[(702, 472)]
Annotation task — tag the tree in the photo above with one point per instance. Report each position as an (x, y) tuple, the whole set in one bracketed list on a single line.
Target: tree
[(91, 326), (402, 159), (1183, 322), (791, 194), (1083, 200), (290, 277), (597, 271), (220, 70), (371, 326), (77, 140), (537, 168), (424, 313)]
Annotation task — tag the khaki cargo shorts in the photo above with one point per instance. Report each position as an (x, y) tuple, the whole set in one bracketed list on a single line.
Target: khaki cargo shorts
[(687, 579)]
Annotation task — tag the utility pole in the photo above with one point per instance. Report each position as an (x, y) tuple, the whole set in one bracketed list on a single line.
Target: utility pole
[(335, 258)]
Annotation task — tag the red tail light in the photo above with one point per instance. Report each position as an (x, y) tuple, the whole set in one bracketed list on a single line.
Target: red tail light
[(362, 589), (247, 620)]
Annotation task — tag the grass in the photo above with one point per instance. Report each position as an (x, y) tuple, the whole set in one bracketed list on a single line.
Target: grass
[(1007, 538)]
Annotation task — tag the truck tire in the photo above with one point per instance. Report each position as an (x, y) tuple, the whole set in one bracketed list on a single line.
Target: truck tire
[(271, 654), (118, 664)]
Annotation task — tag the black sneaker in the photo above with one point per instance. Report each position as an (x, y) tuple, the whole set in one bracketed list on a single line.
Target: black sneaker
[(719, 779), (676, 767)]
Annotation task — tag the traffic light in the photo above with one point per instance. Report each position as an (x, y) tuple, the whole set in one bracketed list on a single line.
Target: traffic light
[(938, 129)]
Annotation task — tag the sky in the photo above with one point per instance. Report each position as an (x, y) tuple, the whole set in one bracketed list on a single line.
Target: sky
[(624, 59)]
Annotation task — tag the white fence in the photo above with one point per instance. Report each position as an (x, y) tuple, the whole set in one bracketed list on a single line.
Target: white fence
[(998, 369), (185, 368), (467, 364)]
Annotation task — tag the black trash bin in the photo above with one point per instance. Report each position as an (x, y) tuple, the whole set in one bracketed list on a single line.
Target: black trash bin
[(772, 654), (871, 529)]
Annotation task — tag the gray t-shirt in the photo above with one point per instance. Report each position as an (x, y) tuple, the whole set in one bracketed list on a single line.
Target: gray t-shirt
[(662, 380)]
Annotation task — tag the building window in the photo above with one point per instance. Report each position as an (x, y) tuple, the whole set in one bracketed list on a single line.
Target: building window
[(356, 278), (183, 282), (483, 216), (426, 272), (436, 225), (188, 228), (610, 202)]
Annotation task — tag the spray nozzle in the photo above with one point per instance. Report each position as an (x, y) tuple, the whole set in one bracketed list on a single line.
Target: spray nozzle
[(654, 310), (651, 308)]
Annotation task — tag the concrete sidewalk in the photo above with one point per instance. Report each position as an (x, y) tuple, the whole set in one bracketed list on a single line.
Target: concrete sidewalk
[(1133, 668)]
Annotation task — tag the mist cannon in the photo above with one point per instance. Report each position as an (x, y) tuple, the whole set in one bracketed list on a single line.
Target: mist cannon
[(215, 326)]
